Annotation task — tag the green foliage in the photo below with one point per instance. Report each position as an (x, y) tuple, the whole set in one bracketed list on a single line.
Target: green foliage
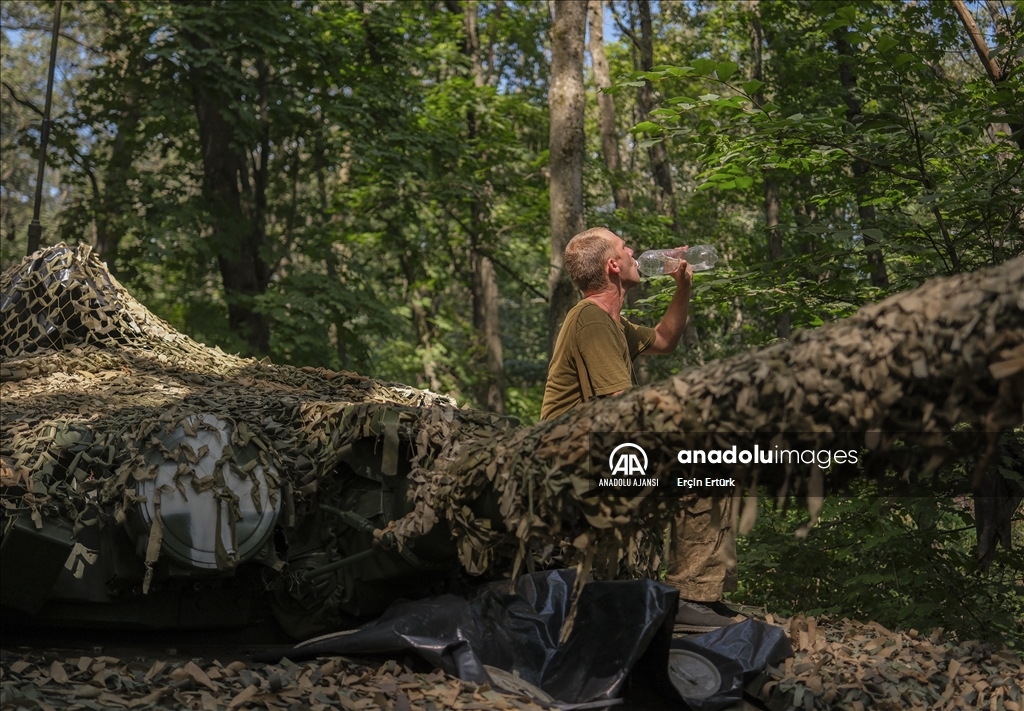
[(906, 562), (918, 133), (943, 199), (906, 558), (24, 57), (359, 173)]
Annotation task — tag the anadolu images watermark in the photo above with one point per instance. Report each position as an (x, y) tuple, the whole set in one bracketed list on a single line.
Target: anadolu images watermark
[(673, 464)]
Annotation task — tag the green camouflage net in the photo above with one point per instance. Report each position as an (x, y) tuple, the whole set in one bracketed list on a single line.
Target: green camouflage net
[(943, 361), (92, 383)]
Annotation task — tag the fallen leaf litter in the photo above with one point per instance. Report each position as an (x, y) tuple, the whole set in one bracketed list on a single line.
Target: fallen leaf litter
[(845, 664), (103, 683), (838, 664)]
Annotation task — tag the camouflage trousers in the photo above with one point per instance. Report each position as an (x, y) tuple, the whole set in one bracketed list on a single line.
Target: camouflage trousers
[(702, 553)]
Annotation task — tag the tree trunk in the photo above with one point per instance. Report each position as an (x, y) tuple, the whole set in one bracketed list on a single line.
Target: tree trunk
[(491, 394), (991, 68), (660, 170), (490, 391), (330, 258), (911, 368), (606, 107), (771, 218), (565, 102), (771, 188), (420, 322), (783, 325), (876, 260), (116, 201), (236, 214)]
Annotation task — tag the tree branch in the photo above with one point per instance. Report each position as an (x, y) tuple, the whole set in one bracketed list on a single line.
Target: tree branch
[(487, 253), (47, 28), (24, 102), (978, 40), (625, 30), (881, 166), (981, 47)]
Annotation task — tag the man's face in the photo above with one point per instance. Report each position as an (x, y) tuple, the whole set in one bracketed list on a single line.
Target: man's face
[(622, 255)]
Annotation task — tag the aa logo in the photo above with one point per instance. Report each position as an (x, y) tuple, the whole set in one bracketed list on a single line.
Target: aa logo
[(628, 459)]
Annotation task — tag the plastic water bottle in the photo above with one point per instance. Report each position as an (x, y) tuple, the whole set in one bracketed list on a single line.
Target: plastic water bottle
[(664, 261)]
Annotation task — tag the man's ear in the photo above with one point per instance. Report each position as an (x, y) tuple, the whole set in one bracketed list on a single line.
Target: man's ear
[(613, 266)]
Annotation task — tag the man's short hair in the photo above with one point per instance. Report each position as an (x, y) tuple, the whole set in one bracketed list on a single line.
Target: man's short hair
[(585, 257)]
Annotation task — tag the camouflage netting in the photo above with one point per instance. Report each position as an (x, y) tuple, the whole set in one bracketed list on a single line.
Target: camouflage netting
[(907, 370), (90, 379)]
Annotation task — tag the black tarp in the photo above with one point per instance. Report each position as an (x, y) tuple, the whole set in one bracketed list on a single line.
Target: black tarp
[(739, 652), (618, 625)]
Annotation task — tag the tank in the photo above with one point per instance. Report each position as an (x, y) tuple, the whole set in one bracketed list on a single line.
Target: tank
[(150, 482)]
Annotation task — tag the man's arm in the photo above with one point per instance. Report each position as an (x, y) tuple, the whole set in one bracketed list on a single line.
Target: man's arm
[(670, 329)]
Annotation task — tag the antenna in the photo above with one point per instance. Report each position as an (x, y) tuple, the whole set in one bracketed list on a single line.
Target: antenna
[(35, 230)]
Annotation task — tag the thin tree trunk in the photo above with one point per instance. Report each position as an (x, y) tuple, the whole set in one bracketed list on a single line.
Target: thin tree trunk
[(875, 258), (485, 318), (802, 208), (662, 173), (981, 48), (236, 217), (610, 144), (116, 201), (420, 322), (330, 258), (566, 141), (606, 107), (783, 325), (490, 392)]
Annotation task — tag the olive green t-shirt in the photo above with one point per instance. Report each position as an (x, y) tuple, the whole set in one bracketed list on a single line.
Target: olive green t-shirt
[(593, 356)]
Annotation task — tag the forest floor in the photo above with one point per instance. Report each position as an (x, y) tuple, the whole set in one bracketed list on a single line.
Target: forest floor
[(837, 664), (858, 666)]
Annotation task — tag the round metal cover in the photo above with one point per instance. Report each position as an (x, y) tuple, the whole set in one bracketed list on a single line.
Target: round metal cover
[(694, 676), (199, 528)]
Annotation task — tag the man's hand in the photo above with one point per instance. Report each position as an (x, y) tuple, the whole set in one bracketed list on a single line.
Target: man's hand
[(683, 274), (670, 328)]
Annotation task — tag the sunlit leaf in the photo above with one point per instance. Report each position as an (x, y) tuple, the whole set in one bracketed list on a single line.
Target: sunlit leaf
[(751, 87), (725, 70)]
